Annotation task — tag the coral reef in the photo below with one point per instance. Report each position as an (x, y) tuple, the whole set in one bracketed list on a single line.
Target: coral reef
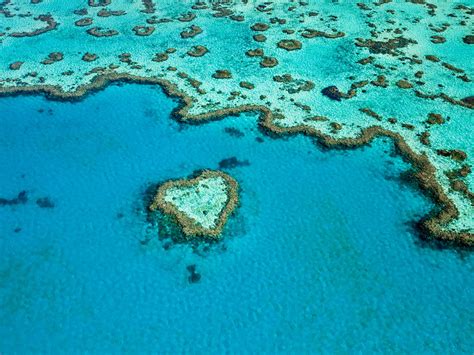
[(200, 205), (384, 68)]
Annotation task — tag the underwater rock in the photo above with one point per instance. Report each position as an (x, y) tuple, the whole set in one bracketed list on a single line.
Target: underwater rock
[(155, 20)]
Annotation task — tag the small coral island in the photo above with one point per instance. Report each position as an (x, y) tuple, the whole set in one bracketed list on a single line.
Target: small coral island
[(200, 205)]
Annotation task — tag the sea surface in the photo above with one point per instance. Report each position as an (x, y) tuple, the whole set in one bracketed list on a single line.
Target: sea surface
[(320, 256)]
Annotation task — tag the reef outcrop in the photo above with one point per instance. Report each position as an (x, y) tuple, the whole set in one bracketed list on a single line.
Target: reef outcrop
[(200, 205)]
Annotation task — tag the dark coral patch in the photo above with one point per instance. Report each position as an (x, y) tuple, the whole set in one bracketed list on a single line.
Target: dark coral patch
[(260, 38), (51, 24), (332, 92), (100, 32), (268, 62), (86, 21), (15, 65), (21, 199), (187, 17), (289, 44), (197, 51), (160, 57), (53, 57), (222, 74), (194, 276), (391, 46), (234, 132), (232, 162), (143, 30), (469, 39), (254, 52), (89, 57), (260, 26), (403, 84), (45, 202), (247, 85), (191, 32), (310, 33)]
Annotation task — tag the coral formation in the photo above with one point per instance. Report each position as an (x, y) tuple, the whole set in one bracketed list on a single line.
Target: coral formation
[(200, 205)]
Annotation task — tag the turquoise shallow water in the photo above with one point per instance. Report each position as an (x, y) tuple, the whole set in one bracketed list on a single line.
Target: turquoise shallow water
[(320, 256)]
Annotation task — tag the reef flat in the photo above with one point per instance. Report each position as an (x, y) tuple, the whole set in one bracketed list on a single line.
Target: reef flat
[(200, 205), (341, 72)]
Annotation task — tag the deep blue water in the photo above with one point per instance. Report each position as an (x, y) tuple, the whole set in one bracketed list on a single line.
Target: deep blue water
[(320, 256)]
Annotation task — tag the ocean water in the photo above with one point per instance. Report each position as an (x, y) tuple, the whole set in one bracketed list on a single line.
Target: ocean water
[(320, 256)]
